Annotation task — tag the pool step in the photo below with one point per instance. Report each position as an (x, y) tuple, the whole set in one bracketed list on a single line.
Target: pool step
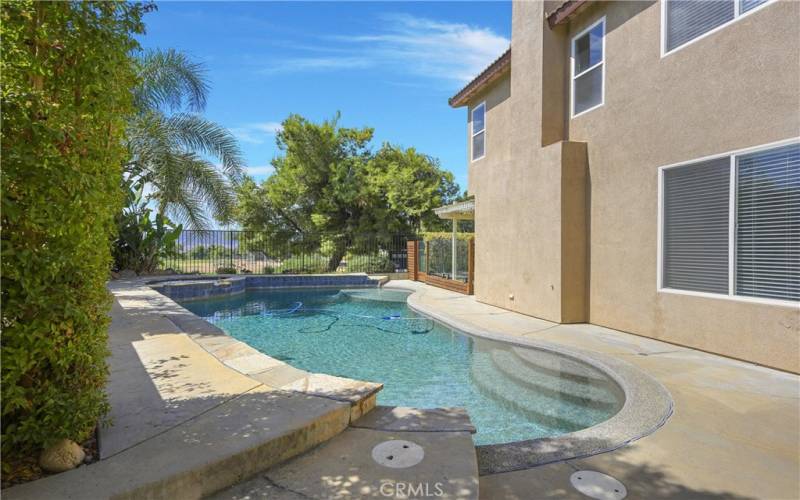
[(596, 394), (558, 414), (557, 366)]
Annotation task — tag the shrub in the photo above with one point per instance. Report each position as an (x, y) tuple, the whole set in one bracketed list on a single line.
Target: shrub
[(370, 263), (67, 75), (303, 265), (142, 240), (226, 270)]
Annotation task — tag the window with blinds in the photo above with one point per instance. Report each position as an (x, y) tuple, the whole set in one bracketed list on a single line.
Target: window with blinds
[(768, 223), (698, 238), (686, 20), (696, 217)]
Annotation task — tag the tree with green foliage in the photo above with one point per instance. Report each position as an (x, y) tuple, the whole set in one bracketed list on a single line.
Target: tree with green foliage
[(67, 78), (170, 142), (328, 181)]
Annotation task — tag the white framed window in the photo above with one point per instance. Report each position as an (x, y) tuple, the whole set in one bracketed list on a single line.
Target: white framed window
[(686, 21), (729, 225), (588, 69), (478, 131)]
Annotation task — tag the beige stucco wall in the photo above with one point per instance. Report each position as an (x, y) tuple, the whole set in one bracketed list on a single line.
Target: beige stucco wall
[(737, 88), (524, 217)]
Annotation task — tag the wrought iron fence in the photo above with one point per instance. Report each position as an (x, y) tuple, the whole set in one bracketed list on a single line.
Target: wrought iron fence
[(229, 251)]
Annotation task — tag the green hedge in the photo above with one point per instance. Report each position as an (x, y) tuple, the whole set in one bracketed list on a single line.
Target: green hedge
[(67, 74), (446, 236)]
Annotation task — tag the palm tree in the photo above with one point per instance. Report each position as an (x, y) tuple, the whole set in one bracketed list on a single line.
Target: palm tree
[(170, 143)]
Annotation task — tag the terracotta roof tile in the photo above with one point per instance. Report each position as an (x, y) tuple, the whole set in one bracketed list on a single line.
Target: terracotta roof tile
[(487, 76)]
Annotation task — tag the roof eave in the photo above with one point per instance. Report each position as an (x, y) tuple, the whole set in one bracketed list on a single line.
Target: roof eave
[(488, 76), (566, 11)]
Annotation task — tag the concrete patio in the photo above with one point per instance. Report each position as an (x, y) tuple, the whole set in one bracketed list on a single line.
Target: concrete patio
[(735, 431), (197, 413)]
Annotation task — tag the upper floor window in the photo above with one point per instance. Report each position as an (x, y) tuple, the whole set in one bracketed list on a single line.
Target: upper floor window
[(478, 131), (588, 68), (731, 225), (687, 20)]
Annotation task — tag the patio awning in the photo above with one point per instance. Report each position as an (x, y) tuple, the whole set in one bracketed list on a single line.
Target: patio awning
[(462, 210)]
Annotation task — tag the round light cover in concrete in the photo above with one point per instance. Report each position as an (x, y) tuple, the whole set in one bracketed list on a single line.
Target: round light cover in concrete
[(398, 454), (598, 485)]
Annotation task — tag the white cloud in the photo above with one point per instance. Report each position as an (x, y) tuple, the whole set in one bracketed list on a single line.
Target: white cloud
[(256, 133), (316, 64), (454, 52), (265, 170)]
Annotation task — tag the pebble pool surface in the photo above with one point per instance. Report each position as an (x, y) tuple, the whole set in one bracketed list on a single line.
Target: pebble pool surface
[(511, 393)]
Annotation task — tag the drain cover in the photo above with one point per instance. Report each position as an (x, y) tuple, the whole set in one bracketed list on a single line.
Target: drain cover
[(598, 485), (398, 454)]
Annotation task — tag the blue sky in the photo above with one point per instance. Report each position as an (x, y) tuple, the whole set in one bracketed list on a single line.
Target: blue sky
[(388, 65)]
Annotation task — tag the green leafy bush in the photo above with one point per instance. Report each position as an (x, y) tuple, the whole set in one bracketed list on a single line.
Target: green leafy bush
[(303, 265), (143, 240), (226, 270), (370, 263), (67, 74)]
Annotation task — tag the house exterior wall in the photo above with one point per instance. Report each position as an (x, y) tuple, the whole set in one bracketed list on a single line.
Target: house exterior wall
[(537, 218)]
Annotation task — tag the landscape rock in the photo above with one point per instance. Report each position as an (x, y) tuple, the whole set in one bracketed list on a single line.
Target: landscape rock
[(62, 456), (127, 274)]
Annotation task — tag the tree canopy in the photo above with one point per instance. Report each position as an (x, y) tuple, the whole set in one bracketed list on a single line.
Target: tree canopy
[(328, 180), (169, 142)]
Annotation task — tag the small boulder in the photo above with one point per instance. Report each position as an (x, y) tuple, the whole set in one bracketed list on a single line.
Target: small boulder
[(62, 456), (127, 274)]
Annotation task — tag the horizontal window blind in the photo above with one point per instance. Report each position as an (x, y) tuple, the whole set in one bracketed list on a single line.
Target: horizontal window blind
[(688, 19), (768, 223), (695, 226)]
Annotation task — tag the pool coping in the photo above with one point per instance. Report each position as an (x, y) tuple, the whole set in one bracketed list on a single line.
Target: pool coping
[(239, 356), (648, 404)]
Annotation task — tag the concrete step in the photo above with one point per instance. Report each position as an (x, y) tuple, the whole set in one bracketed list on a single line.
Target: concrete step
[(346, 467), (233, 441)]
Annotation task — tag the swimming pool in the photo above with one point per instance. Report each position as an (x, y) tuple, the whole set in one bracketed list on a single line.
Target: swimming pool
[(511, 393)]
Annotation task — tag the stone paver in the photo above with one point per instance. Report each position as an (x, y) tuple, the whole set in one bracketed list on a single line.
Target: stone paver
[(171, 380), (735, 431)]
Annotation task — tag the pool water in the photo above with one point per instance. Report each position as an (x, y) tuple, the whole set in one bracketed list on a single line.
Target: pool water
[(511, 393)]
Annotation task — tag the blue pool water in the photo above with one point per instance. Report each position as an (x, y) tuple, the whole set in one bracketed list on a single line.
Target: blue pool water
[(510, 393)]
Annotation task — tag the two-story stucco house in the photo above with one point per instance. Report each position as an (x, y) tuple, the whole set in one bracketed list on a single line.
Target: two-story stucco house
[(636, 165)]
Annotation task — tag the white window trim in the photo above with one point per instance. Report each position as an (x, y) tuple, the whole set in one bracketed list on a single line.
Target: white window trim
[(573, 76), (736, 16), (472, 132), (731, 229)]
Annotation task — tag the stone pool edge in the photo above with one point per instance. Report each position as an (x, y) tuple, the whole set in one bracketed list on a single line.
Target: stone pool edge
[(239, 356), (648, 404)]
